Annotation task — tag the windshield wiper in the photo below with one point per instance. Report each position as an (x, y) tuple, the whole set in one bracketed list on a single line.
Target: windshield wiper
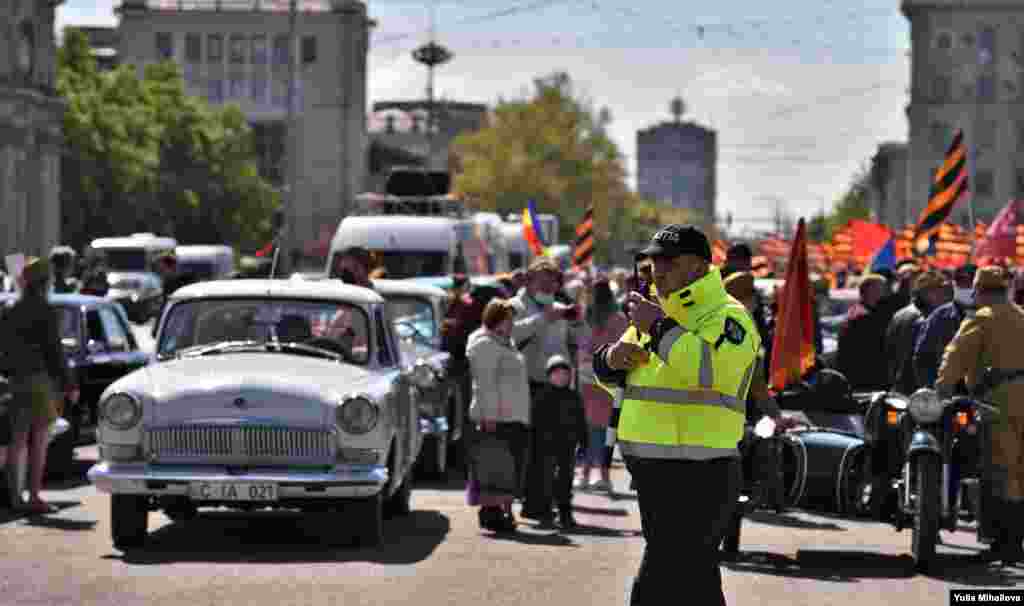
[(306, 349), (215, 348)]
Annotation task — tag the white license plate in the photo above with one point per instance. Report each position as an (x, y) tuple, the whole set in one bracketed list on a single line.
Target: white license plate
[(233, 491)]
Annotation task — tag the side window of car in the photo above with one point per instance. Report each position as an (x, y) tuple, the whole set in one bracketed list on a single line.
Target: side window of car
[(133, 345), (116, 337), (94, 328), (387, 357)]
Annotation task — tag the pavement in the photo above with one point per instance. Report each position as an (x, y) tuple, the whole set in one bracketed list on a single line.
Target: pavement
[(438, 555)]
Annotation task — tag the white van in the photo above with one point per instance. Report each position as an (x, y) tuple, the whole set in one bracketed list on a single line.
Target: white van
[(429, 237), (131, 271), (206, 262)]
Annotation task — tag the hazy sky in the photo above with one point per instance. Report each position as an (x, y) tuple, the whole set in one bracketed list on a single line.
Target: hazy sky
[(801, 91)]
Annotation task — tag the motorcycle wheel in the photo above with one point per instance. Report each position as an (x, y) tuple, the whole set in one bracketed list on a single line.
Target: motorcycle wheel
[(926, 520)]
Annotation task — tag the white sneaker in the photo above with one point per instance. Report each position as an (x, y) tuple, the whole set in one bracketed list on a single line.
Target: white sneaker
[(602, 486), (582, 484)]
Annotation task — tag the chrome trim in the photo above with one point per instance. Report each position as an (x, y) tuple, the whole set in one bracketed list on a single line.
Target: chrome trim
[(842, 473), (906, 487), (342, 481), (240, 444), (945, 489), (801, 485)]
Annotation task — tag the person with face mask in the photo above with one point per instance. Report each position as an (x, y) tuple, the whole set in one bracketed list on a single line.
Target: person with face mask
[(941, 325), (684, 389)]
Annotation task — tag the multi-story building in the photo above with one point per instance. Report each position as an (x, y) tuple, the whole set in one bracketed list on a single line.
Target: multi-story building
[(31, 117), (888, 192), (676, 163), (238, 52), (967, 72), (402, 131)]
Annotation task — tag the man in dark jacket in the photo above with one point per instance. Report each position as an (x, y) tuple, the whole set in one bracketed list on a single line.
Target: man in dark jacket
[(862, 338), (930, 291), (172, 280), (942, 325)]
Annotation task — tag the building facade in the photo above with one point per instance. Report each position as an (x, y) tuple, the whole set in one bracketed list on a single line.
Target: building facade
[(967, 72), (676, 164), (888, 193), (103, 43), (402, 133), (237, 52), (31, 116)]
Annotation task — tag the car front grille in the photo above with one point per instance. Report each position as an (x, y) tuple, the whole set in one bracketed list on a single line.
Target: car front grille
[(249, 444)]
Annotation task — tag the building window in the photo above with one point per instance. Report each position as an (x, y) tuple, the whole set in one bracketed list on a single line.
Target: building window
[(237, 54), (1020, 183), (281, 53), (215, 90), (308, 50), (236, 88), (164, 46), (938, 136), (193, 48), (259, 50), (983, 182), (389, 125), (940, 88), (259, 91), (1020, 136), (987, 45), (967, 40), (987, 134), (214, 48), (944, 41), (192, 79), (986, 89)]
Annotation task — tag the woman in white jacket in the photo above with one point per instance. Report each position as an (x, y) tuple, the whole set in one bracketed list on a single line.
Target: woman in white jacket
[(501, 400)]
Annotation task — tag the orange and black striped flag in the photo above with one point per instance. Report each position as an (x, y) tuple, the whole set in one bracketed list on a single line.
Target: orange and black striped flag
[(583, 252), (949, 186)]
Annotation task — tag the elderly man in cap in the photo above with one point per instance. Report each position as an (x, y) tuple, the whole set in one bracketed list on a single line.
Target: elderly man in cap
[(684, 390), (540, 330), (988, 350), (352, 266), (930, 290), (941, 325)]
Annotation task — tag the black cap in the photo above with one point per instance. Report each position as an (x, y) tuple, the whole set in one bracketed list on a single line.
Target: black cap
[(356, 252), (677, 240)]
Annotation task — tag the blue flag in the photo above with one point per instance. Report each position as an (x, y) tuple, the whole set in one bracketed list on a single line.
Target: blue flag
[(885, 258)]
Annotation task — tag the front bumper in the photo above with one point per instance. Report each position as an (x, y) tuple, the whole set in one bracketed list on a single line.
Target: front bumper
[(341, 482)]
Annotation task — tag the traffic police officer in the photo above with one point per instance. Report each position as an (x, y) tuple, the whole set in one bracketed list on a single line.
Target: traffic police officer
[(992, 340), (683, 402)]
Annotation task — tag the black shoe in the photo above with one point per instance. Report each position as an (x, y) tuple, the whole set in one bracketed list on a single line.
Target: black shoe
[(566, 519), (490, 518), (1004, 552), (537, 514), (507, 523)]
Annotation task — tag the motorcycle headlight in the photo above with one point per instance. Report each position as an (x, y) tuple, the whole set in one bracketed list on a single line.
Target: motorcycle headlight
[(357, 416), (423, 375), (122, 411), (925, 406), (765, 428)]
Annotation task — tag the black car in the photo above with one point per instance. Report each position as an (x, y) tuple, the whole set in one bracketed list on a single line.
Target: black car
[(100, 349)]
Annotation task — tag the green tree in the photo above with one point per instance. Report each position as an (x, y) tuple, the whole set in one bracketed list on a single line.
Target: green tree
[(141, 155), (853, 204), (552, 148)]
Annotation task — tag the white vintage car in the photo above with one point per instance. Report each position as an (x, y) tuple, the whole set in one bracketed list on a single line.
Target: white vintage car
[(417, 311), (272, 394)]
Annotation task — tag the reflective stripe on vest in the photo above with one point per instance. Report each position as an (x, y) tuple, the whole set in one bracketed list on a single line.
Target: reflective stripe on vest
[(667, 395), (681, 451)]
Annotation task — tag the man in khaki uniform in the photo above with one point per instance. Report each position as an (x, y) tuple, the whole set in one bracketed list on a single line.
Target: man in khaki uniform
[(994, 338)]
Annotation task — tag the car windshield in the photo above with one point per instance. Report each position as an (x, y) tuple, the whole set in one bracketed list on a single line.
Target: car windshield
[(202, 270), (413, 318), (411, 263), (125, 259), (328, 325)]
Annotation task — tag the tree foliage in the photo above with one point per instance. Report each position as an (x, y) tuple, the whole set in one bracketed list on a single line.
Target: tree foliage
[(853, 204), (552, 148), (141, 155)]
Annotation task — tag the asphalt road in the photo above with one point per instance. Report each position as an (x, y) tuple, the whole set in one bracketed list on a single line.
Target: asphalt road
[(438, 556)]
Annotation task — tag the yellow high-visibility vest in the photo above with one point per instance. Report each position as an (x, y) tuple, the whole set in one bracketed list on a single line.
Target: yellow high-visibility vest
[(689, 400)]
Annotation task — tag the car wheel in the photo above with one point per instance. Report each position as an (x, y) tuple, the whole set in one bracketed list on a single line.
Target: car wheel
[(129, 520), (369, 520)]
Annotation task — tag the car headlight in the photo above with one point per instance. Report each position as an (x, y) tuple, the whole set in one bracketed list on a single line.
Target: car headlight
[(122, 411), (423, 375), (358, 416), (925, 406)]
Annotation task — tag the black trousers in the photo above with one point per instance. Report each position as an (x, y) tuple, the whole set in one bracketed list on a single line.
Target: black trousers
[(685, 507), (551, 474)]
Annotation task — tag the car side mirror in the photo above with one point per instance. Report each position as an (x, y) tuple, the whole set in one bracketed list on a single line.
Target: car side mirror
[(95, 347)]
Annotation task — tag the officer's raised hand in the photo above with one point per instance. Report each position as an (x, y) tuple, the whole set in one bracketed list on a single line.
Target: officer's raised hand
[(643, 312), (626, 356)]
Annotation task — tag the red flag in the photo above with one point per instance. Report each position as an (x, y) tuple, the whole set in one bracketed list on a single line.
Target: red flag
[(1001, 238), (793, 344), (266, 250), (867, 239)]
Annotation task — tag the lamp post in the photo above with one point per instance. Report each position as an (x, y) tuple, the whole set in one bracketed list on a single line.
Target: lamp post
[(432, 55), (287, 225)]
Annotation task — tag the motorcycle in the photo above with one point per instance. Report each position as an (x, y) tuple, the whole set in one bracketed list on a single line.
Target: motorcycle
[(945, 459), (869, 474)]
